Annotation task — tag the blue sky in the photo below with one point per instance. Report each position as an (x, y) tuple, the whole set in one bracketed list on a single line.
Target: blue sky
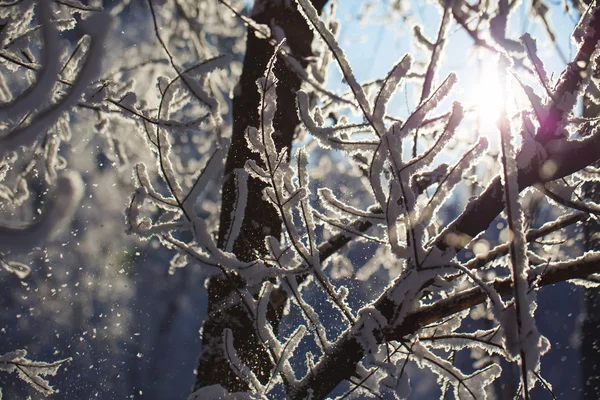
[(374, 44)]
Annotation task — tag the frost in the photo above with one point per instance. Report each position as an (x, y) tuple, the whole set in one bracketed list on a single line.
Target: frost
[(194, 78), (465, 386), (417, 117), (365, 269), (94, 26), (370, 323), (306, 8), (531, 48), (427, 157), (332, 203), (31, 372), (334, 136), (178, 261), (454, 176), (421, 40), (241, 178), (388, 88), (486, 340), (521, 335), (41, 91)]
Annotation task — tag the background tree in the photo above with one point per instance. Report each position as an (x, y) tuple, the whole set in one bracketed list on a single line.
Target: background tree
[(592, 299), (338, 259)]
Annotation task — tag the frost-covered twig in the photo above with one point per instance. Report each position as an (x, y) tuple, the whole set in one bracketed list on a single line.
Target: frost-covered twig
[(526, 336), (571, 82), (437, 50), (281, 191), (568, 157), (189, 82), (589, 208), (94, 26), (311, 15), (531, 236), (347, 352), (40, 92), (31, 372)]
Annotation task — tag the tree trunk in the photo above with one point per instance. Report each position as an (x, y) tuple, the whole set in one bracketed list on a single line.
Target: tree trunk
[(261, 218), (590, 346)]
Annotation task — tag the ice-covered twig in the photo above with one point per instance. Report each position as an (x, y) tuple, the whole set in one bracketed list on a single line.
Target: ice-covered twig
[(190, 82), (95, 26), (465, 386), (525, 339), (538, 66), (280, 352), (41, 91), (310, 13), (563, 157), (241, 177), (583, 206), (31, 372), (531, 235), (572, 81), (436, 50), (281, 191), (347, 352), (388, 88), (449, 182)]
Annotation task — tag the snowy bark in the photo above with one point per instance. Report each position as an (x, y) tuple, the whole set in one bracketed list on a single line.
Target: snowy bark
[(261, 219), (590, 343)]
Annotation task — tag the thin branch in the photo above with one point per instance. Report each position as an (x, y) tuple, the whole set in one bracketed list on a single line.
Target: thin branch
[(341, 362)]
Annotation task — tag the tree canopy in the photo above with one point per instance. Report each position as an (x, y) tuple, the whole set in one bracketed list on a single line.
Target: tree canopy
[(213, 199)]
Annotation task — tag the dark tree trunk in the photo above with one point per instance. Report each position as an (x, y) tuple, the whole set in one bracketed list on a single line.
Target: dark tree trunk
[(590, 346), (261, 218)]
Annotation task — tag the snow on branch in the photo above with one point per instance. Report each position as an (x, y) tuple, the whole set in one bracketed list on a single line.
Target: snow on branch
[(310, 13), (432, 314), (388, 88), (465, 386), (573, 80), (40, 92), (96, 27), (404, 216), (31, 372), (522, 336), (398, 196)]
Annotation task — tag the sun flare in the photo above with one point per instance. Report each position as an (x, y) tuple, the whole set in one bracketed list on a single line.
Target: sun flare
[(487, 97)]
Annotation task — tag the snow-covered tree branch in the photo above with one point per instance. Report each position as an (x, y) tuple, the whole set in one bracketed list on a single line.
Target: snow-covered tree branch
[(346, 236)]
